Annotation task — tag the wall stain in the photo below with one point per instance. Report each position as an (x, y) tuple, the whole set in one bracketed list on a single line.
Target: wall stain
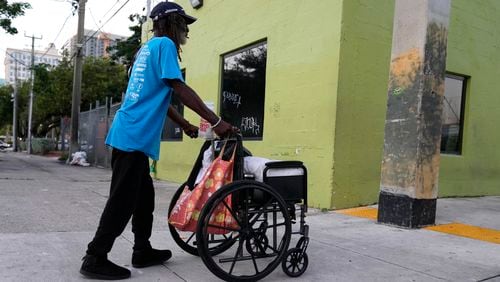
[(275, 110)]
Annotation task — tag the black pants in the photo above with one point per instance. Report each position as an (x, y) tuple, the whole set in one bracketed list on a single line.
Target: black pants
[(131, 195)]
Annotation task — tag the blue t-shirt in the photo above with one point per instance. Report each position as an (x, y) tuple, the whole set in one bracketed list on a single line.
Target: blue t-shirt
[(138, 124)]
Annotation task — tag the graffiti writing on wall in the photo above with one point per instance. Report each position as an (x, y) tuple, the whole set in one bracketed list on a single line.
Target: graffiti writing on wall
[(250, 124), (233, 98)]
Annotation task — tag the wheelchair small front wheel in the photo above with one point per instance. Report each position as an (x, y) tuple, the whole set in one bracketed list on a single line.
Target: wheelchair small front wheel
[(295, 262), (261, 233)]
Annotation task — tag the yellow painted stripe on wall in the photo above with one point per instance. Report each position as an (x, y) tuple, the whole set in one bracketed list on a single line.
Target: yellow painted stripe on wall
[(365, 212), (469, 231)]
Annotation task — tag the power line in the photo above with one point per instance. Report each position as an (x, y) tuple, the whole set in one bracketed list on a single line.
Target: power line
[(112, 16), (46, 51), (59, 33), (57, 36), (109, 10), (99, 28), (95, 22), (10, 55)]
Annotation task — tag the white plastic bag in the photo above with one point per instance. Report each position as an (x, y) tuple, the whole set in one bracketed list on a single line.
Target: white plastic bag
[(208, 157), (255, 166), (79, 158)]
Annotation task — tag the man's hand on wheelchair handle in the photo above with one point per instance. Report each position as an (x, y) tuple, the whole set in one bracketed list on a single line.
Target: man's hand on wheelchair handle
[(191, 130), (224, 129)]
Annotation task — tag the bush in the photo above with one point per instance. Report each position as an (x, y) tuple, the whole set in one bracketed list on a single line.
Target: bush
[(42, 145), (64, 157), (23, 145)]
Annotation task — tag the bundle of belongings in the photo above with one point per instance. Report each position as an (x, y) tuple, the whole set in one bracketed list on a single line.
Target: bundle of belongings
[(251, 165), (218, 163)]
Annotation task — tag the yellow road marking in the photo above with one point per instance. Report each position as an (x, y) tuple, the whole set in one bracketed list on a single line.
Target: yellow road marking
[(458, 229), (469, 231)]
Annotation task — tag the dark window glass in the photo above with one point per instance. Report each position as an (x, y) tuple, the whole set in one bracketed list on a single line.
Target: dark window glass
[(171, 130), (243, 89), (453, 114)]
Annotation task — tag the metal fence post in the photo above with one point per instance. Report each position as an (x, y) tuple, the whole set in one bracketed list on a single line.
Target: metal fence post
[(106, 117)]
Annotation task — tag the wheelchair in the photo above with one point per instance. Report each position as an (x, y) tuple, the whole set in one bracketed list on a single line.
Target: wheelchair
[(264, 211)]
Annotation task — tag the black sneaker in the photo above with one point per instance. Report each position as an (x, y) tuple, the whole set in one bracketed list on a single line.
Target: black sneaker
[(95, 267), (149, 257)]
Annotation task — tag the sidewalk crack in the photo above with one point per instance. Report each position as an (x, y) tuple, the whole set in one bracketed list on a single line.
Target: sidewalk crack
[(17, 178), (175, 273), (489, 278)]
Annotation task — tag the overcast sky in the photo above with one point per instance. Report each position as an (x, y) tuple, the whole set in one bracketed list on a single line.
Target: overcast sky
[(47, 17)]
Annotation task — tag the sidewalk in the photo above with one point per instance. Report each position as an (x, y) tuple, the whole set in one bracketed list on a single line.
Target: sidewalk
[(49, 212)]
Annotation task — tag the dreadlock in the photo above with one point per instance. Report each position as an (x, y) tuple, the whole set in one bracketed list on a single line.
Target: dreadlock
[(171, 25)]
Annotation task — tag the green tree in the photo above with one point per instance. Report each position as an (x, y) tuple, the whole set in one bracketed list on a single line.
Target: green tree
[(52, 90), (102, 78), (9, 12), (5, 105), (22, 104), (53, 87)]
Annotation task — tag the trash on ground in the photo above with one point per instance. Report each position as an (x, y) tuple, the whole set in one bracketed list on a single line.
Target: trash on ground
[(79, 158)]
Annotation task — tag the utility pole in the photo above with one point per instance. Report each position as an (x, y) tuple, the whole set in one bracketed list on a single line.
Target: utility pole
[(30, 117), (77, 79), (14, 114)]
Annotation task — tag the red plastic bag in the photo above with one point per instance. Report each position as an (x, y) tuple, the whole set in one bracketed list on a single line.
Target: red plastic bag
[(185, 214)]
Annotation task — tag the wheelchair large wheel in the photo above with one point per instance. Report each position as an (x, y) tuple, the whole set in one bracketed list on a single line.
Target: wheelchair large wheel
[(261, 235), (187, 240)]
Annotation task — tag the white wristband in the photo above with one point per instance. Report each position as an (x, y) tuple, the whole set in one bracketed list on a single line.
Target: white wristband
[(217, 123)]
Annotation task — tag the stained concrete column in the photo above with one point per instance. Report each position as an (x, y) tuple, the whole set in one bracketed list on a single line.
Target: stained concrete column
[(410, 165)]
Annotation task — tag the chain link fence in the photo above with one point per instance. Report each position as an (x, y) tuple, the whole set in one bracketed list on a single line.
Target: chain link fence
[(93, 128)]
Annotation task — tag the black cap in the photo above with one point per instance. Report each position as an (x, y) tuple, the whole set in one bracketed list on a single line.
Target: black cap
[(165, 8)]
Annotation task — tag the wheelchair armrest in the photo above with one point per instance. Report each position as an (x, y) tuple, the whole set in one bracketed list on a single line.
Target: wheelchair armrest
[(284, 164)]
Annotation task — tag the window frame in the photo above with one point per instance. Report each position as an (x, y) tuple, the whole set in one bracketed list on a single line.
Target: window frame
[(233, 52), (167, 118), (464, 78)]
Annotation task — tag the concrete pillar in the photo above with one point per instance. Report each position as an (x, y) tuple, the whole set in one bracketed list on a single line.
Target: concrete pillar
[(410, 164)]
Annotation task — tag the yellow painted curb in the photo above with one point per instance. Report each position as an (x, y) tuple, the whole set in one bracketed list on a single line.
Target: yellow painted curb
[(365, 212), (469, 231), (458, 229)]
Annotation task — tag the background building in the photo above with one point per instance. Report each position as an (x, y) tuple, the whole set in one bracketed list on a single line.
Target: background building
[(49, 56), (95, 43), (309, 81)]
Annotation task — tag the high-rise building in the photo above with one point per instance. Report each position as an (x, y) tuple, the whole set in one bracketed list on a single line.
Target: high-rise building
[(95, 44), (22, 57)]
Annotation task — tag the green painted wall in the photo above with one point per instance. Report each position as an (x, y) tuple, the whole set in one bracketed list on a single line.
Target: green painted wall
[(301, 81), (364, 72), (473, 50), (327, 76)]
